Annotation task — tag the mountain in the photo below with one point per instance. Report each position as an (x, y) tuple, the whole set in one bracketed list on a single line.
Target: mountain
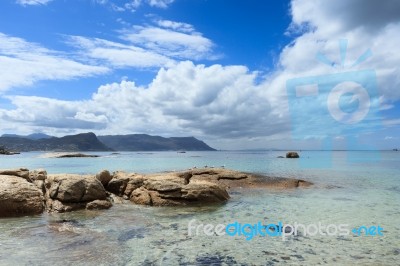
[(80, 142), (34, 136), (143, 142)]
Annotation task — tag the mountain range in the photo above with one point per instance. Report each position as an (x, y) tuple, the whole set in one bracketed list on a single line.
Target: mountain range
[(91, 142)]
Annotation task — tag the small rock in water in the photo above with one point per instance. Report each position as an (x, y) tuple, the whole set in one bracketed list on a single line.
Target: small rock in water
[(133, 233)]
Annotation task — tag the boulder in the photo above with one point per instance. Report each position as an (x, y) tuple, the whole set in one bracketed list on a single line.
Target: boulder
[(133, 183), (204, 192), (118, 183), (171, 189), (19, 197), (141, 196), (21, 172), (98, 205), (104, 177), (74, 188), (292, 154), (38, 174)]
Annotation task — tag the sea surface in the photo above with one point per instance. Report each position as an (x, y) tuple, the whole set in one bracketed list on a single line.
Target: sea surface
[(352, 188)]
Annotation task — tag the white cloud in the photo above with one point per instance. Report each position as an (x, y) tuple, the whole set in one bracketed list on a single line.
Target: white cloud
[(178, 26), (117, 54), (133, 5), (146, 47), (23, 63), (160, 3), (33, 2), (172, 43), (185, 99)]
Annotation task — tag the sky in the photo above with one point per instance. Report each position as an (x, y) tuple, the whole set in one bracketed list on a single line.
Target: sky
[(254, 74)]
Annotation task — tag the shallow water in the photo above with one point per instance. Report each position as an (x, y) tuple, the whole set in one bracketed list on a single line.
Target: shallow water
[(365, 193)]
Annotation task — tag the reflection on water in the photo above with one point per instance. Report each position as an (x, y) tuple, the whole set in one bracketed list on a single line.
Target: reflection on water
[(128, 234)]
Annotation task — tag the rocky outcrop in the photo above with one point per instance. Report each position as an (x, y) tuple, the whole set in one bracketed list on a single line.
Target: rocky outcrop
[(19, 197), (72, 191), (30, 192), (77, 155), (21, 172), (292, 154)]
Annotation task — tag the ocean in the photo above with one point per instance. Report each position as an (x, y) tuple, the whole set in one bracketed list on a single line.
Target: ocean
[(352, 189)]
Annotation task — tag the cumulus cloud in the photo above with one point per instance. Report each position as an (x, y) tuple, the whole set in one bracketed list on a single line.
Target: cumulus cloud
[(187, 98), (229, 102), (22, 63)]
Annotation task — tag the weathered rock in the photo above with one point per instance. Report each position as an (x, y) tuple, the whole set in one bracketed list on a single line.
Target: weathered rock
[(104, 177), (230, 179), (204, 192), (74, 188), (38, 174), (292, 154), (118, 183), (98, 205), (19, 197), (141, 196), (40, 185), (133, 183), (58, 206), (21, 172)]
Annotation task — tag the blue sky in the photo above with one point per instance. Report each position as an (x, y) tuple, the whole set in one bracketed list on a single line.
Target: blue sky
[(216, 70)]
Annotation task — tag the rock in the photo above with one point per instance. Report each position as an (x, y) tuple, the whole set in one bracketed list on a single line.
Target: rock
[(38, 174), (203, 191), (58, 206), (77, 155), (118, 183), (21, 172), (74, 188), (133, 183), (19, 197), (40, 185), (141, 196), (104, 177), (98, 205), (292, 154), (280, 157)]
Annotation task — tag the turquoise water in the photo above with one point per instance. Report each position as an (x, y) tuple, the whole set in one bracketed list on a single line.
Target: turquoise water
[(365, 193)]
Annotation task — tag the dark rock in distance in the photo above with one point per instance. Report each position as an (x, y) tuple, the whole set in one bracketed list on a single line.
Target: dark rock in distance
[(292, 154)]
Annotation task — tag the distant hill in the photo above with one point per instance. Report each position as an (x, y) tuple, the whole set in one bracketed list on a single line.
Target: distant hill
[(143, 142), (80, 142), (34, 136)]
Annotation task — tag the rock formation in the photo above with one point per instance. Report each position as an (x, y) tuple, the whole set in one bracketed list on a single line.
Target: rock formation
[(25, 192), (292, 154)]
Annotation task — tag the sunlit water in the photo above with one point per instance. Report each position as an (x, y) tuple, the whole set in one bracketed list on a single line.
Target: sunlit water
[(366, 193)]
